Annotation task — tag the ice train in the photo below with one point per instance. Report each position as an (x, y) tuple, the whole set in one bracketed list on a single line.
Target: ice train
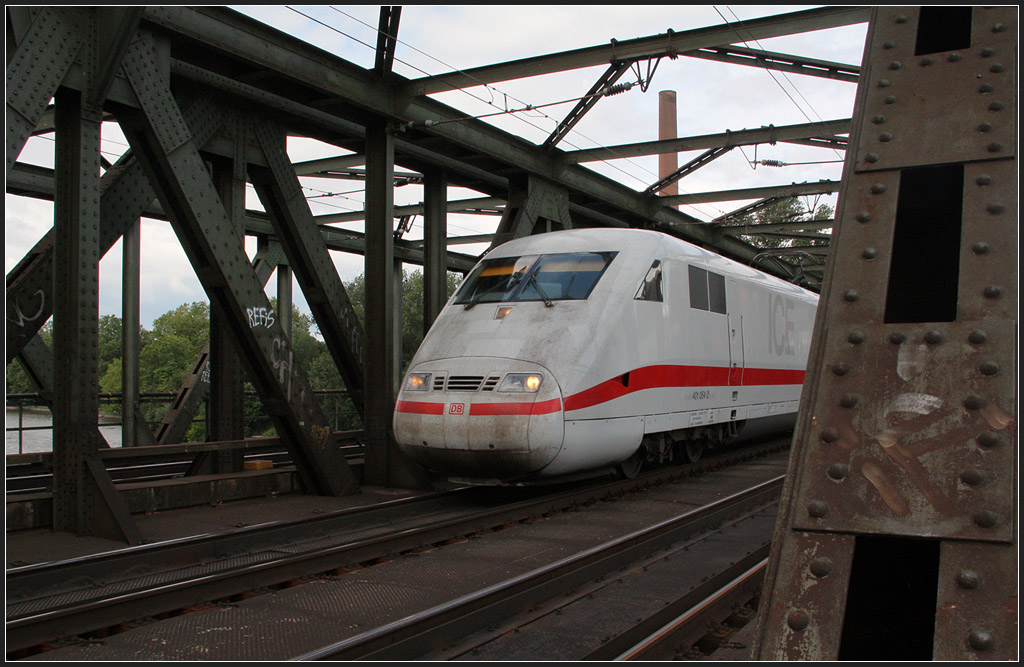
[(582, 350)]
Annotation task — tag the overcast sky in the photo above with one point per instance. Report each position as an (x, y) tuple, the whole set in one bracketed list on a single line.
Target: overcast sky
[(711, 98)]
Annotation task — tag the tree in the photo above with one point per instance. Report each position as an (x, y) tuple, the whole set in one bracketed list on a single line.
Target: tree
[(170, 350)]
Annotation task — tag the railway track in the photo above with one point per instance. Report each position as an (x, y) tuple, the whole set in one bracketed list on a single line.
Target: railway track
[(574, 589), (68, 598)]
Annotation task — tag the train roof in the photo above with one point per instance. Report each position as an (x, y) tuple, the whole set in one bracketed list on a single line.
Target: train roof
[(642, 241)]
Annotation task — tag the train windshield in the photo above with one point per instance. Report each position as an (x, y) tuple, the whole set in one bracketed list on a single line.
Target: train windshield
[(548, 278)]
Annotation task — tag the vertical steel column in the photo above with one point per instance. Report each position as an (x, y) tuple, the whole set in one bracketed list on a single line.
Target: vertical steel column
[(667, 162), (130, 344), (227, 379), (897, 535), (435, 245), (76, 308), (379, 319), (284, 297), (84, 500)]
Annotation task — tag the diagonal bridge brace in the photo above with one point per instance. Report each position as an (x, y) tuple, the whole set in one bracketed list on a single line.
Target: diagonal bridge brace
[(281, 194), (161, 139)]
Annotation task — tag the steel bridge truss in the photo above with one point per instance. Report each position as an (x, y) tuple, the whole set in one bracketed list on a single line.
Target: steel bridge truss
[(206, 99)]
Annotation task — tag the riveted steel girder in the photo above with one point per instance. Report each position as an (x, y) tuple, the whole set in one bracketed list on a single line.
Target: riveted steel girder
[(905, 453), (668, 44), (126, 194), (84, 499), (474, 152), (40, 62), (162, 141)]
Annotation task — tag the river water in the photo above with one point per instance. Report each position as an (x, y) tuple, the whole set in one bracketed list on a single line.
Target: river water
[(40, 438)]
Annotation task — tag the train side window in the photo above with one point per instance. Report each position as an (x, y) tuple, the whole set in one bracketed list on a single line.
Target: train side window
[(650, 289), (698, 288), (716, 292), (707, 290)]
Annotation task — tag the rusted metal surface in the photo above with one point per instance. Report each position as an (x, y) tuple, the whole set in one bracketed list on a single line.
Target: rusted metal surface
[(909, 421)]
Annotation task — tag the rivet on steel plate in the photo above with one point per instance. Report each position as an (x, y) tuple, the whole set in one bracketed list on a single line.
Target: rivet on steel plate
[(895, 65), (851, 295), (879, 119), (933, 337), (821, 567), (983, 180), (856, 337), (992, 291), (838, 471), (884, 83), (995, 209), (996, 106), (985, 519), (980, 640), (849, 400), (996, 69), (971, 477), (985, 127), (798, 620), (981, 248), (869, 253), (877, 188), (901, 18), (988, 440), (829, 434), (954, 57), (817, 509), (925, 62), (994, 147), (987, 52), (897, 338), (889, 45), (989, 368), (863, 216), (885, 137), (871, 158), (977, 337), (968, 579), (891, 99), (986, 88), (999, 27), (974, 402), (841, 368)]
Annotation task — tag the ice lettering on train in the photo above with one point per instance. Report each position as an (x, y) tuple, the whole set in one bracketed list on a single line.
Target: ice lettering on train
[(780, 325)]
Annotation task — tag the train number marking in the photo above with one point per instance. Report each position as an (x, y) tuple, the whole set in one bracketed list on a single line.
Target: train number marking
[(457, 408)]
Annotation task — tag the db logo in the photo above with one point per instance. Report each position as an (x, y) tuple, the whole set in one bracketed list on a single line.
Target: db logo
[(456, 408)]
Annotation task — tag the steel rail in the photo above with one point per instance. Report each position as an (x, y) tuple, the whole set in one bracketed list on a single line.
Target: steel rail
[(692, 623), (427, 631)]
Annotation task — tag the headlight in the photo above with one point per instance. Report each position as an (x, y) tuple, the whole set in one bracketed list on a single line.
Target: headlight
[(521, 382), (417, 382)]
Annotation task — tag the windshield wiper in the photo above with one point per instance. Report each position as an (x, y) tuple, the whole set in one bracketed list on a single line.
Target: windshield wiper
[(540, 290)]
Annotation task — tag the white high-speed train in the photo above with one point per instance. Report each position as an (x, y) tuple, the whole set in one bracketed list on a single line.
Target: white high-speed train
[(576, 351)]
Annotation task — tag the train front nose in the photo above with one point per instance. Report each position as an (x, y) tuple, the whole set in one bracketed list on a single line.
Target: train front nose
[(480, 418)]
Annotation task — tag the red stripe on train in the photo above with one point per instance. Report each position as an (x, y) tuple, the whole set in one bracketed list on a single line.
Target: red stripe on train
[(420, 408), (662, 377), (540, 408)]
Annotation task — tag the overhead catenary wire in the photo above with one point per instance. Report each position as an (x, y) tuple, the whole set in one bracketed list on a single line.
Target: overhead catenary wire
[(526, 107), (517, 114)]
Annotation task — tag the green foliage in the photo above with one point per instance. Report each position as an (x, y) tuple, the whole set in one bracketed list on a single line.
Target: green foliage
[(784, 210), (169, 351)]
